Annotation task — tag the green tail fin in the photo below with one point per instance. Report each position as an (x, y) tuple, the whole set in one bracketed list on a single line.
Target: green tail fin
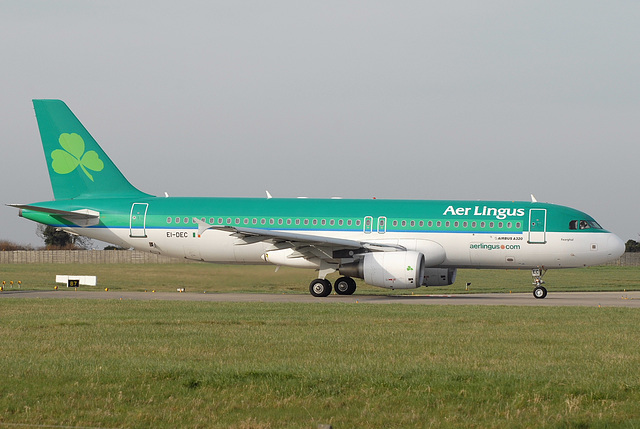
[(78, 167)]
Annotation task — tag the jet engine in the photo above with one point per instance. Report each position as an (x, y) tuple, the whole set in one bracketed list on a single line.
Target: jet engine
[(393, 270)]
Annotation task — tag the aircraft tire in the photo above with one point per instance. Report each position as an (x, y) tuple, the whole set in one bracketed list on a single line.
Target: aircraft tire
[(345, 286), (320, 288), (540, 292)]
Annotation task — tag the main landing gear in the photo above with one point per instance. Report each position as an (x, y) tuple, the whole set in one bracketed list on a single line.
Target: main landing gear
[(539, 291), (342, 286)]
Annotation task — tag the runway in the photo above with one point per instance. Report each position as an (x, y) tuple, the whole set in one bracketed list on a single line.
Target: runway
[(554, 299)]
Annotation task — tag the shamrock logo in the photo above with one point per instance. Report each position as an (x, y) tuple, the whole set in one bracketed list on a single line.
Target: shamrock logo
[(73, 155), (409, 268)]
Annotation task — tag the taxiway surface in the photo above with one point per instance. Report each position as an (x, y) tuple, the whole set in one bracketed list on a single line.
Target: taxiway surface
[(584, 299)]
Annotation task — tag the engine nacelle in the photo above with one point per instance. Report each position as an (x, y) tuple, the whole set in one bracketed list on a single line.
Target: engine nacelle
[(439, 276), (393, 270)]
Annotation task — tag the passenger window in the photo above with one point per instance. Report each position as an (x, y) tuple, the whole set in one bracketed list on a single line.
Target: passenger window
[(186, 220), (177, 220), (421, 223), (168, 220)]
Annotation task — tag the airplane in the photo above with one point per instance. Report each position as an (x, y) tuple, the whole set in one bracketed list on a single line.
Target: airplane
[(394, 244)]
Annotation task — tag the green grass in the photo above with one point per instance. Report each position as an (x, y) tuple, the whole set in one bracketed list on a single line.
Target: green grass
[(235, 278), (255, 365)]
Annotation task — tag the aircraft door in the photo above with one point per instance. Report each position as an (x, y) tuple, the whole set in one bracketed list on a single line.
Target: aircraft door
[(537, 226), (138, 220)]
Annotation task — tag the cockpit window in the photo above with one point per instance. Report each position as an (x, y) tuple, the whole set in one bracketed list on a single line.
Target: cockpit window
[(584, 224)]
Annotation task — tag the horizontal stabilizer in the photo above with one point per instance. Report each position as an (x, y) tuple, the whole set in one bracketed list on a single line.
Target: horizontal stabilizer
[(82, 218)]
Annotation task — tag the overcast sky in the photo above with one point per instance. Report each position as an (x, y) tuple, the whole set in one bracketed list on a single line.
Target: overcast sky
[(393, 99)]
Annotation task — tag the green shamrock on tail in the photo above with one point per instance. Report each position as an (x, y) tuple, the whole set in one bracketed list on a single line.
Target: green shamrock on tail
[(67, 160)]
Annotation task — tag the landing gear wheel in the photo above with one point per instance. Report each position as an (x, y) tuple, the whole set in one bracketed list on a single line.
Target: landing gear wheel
[(540, 292), (345, 286), (320, 288)]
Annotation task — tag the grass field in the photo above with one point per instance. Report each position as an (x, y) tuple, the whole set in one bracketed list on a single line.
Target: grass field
[(113, 364), (235, 278), (235, 365)]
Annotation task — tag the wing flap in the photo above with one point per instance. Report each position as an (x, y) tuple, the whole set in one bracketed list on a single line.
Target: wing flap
[(296, 240)]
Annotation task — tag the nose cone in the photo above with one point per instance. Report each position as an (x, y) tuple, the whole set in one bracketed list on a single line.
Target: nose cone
[(615, 246)]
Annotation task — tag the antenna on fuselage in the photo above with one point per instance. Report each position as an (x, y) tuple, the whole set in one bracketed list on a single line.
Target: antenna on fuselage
[(268, 195), (533, 199)]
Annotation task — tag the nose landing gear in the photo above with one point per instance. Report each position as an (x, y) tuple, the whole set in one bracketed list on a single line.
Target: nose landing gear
[(539, 291)]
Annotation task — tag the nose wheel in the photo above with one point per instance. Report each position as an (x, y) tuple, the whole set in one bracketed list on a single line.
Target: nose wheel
[(539, 291)]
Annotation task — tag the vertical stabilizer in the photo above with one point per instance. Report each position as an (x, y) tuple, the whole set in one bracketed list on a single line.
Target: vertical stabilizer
[(78, 167)]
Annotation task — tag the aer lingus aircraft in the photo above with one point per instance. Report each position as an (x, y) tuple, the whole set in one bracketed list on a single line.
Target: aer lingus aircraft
[(396, 244)]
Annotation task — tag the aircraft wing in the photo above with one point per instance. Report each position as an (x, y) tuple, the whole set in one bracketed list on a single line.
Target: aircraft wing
[(296, 240), (83, 217)]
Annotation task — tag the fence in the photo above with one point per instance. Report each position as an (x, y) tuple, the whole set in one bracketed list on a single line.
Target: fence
[(137, 257), (627, 260), (85, 257)]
